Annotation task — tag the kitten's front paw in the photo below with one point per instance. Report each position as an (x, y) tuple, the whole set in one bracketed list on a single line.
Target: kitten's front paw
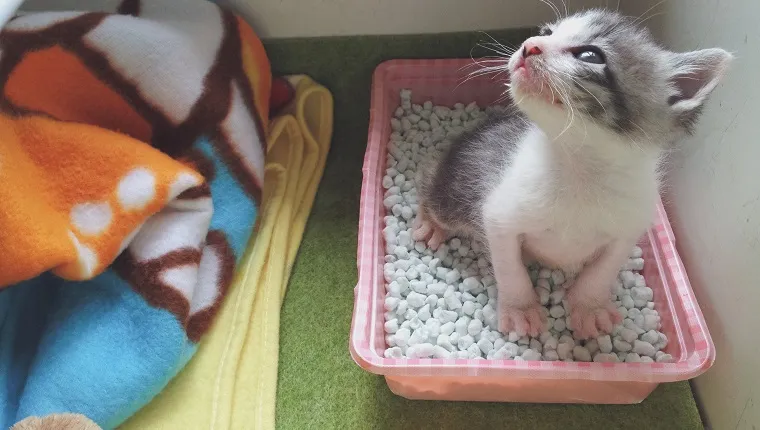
[(524, 319), (591, 317)]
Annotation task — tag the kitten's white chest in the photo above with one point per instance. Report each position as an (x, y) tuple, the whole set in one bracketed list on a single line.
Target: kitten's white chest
[(565, 212), (564, 235)]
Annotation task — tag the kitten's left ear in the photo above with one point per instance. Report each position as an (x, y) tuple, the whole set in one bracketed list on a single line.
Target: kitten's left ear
[(695, 76)]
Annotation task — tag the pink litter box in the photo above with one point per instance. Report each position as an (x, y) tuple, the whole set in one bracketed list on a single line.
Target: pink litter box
[(506, 380)]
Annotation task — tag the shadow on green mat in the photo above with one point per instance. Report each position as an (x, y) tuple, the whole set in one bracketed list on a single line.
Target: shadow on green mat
[(319, 386)]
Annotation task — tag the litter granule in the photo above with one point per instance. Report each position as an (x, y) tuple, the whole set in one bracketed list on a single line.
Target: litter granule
[(442, 304)]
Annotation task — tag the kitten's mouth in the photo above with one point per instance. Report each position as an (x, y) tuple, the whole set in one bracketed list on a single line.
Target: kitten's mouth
[(520, 65), (527, 81), (534, 87)]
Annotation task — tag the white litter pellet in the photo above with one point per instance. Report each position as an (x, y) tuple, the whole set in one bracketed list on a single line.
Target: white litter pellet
[(461, 325), (424, 313), (543, 295), (444, 341), (651, 322), (627, 301), (447, 328), (391, 303), (605, 344), (454, 337), (605, 358), (663, 342), (442, 303), (650, 337), (394, 352), (452, 301), (557, 312), (441, 352), (629, 324), (474, 327), (391, 326), (485, 345), (474, 352), (556, 297), (565, 351), (531, 355), (468, 308), (511, 349), (551, 343), (465, 342), (643, 348), (415, 299), (390, 340), (402, 337), (629, 335), (422, 350), (452, 276), (448, 316), (621, 346), (581, 353)]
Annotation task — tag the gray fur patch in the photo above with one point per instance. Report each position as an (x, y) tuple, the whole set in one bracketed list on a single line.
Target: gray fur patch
[(468, 171)]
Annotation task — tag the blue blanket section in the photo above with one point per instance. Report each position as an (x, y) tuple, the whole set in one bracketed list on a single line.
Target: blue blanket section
[(96, 347)]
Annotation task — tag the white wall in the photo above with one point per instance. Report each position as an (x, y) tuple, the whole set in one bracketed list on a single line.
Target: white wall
[(715, 203), (294, 18), (288, 18)]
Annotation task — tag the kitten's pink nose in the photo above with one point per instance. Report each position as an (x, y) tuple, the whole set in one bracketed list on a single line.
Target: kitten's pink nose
[(529, 50)]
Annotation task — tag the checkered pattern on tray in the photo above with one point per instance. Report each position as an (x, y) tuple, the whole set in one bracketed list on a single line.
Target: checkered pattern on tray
[(441, 81)]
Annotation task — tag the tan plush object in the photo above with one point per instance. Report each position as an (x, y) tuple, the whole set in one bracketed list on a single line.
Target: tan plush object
[(57, 422)]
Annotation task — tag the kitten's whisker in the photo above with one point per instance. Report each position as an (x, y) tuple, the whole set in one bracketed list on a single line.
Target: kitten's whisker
[(500, 47), (486, 70), (638, 21), (553, 7), (501, 50), (583, 87), (650, 17), (482, 71), (565, 91), (488, 59)]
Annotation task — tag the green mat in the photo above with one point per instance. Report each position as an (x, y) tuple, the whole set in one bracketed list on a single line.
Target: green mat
[(319, 386)]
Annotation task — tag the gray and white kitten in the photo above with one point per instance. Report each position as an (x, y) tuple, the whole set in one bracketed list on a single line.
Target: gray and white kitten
[(570, 177)]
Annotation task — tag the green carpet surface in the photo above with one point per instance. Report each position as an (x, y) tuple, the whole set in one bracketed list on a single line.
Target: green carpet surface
[(319, 386)]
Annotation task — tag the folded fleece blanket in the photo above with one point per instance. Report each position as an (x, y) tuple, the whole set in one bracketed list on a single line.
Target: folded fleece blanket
[(231, 382), (131, 168)]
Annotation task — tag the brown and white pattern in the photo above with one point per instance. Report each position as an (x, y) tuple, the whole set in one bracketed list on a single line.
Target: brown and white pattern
[(168, 77)]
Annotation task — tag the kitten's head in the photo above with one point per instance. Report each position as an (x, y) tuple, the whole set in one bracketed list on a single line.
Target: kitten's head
[(600, 69)]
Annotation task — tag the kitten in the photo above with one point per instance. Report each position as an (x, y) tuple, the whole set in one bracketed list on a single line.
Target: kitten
[(570, 176)]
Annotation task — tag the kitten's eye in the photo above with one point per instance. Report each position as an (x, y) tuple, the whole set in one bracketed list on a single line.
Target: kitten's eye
[(545, 31), (589, 54)]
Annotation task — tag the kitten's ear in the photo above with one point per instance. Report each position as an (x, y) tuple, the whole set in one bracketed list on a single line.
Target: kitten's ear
[(695, 76)]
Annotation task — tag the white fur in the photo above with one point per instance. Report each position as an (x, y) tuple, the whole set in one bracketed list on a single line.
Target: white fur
[(574, 197), (570, 196)]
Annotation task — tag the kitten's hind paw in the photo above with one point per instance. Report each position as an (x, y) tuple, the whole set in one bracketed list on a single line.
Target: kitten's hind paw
[(425, 229), (590, 319), (524, 321)]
